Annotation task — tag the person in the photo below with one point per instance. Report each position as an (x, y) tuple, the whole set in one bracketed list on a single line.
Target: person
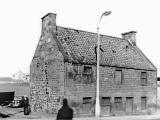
[(25, 103), (65, 112)]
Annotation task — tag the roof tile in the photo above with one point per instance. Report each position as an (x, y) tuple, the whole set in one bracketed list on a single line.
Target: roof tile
[(80, 46)]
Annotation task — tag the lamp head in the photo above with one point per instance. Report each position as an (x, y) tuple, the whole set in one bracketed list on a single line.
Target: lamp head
[(107, 13)]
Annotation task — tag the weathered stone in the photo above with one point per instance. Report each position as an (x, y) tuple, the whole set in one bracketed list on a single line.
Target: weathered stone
[(61, 70)]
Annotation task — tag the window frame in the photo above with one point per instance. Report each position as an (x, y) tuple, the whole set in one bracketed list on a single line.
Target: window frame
[(145, 106), (143, 78), (107, 102), (88, 75), (119, 82), (118, 101), (87, 100)]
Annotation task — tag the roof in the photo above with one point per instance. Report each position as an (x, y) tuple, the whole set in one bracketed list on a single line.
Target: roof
[(129, 32), (19, 73), (79, 47)]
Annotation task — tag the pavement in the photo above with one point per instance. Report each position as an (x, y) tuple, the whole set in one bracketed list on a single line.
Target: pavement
[(40, 116), (17, 114)]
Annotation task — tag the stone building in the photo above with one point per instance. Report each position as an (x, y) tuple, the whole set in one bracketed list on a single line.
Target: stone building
[(64, 66)]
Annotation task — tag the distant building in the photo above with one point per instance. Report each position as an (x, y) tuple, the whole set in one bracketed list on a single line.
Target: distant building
[(64, 66), (21, 76)]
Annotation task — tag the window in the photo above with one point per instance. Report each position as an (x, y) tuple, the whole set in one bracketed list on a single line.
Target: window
[(118, 103), (75, 69), (143, 78), (87, 70), (87, 75), (143, 103), (118, 77), (87, 105), (105, 101), (118, 99), (87, 100)]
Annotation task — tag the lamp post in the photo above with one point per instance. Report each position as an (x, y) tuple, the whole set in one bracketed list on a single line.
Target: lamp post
[(97, 106)]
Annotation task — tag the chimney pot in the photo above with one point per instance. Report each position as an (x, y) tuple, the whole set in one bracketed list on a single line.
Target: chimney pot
[(130, 36)]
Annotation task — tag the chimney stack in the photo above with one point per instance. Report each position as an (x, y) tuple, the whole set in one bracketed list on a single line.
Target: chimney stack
[(130, 36), (49, 22)]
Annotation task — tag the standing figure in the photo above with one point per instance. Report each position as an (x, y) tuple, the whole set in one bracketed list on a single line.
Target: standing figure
[(25, 103), (65, 112)]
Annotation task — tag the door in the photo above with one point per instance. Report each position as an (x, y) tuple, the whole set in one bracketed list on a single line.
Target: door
[(118, 106), (129, 104)]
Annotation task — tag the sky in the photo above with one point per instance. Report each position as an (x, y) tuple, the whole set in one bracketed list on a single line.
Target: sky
[(20, 26)]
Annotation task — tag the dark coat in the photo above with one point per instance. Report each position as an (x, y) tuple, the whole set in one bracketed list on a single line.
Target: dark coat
[(25, 102), (65, 113)]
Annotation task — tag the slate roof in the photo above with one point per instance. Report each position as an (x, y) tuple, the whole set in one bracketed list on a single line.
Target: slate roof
[(79, 47)]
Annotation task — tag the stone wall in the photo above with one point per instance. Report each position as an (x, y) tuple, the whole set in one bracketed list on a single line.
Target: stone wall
[(47, 88), (77, 88), (158, 96), (47, 71), (52, 79), (130, 87), (67, 80)]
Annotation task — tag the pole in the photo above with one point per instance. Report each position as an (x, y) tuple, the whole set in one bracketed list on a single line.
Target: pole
[(97, 106), (97, 87)]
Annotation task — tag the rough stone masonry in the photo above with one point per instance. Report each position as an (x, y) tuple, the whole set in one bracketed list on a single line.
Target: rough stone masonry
[(64, 66)]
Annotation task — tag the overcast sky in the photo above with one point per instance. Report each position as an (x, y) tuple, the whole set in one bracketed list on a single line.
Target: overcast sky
[(20, 25)]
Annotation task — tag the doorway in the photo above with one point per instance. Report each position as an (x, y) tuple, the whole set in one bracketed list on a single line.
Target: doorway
[(129, 104)]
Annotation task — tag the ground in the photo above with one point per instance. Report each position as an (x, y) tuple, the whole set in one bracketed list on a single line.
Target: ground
[(17, 114)]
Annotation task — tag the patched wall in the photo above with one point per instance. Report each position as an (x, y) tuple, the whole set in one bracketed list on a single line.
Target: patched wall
[(80, 85), (129, 90), (47, 71)]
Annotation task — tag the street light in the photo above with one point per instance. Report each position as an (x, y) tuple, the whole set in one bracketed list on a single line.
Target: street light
[(97, 109)]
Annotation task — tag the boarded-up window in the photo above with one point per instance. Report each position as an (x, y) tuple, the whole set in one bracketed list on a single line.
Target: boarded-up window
[(87, 105), (118, 77), (118, 103), (105, 101), (87, 100), (143, 78), (87, 75), (143, 103)]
